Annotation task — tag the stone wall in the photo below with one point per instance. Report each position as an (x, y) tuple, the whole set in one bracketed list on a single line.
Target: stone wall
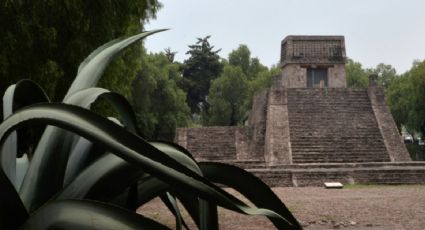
[(215, 143), (357, 173), (295, 76), (392, 139), (257, 126), (337, 78), (313, 49), (277, 148)]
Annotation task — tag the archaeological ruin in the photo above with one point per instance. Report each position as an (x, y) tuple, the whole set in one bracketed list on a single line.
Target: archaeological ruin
[(309, 128)]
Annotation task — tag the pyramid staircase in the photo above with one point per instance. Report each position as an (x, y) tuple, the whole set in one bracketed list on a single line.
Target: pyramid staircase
[(333, 136), (333, 126)]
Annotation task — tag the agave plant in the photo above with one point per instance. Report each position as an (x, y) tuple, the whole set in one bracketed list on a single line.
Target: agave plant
[(91, 172)]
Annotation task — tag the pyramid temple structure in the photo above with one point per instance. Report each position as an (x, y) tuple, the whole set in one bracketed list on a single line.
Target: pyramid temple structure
[(309, 128)]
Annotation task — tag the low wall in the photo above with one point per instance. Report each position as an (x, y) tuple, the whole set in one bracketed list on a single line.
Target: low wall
[(375, 173), (392, 139), (215, 143)]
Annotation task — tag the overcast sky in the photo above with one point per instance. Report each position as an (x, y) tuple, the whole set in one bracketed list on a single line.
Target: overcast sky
[(388, 31)]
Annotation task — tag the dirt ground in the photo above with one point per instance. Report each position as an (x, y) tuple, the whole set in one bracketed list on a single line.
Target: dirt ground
[(353, 207)]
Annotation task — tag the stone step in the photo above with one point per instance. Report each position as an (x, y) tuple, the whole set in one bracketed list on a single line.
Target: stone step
[(338, 145), (338, 160), (377, 173), (318, 154), (335, 150), (333, 125)]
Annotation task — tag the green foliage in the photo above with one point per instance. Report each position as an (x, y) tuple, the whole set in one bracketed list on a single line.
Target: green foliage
[(417, 74), (262, 80), (406, 98), (46, 40), (227, 97), (231, 95), (356, 76), (160, 105), (386, 73), (241, 57), (399, 99), (199, 70), (124, 172)]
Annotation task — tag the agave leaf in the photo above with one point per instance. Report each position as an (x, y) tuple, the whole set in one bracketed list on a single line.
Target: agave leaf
[(55, 163), (84, 214), (261, 196), (15, 97), (77, 159), (112, 170), (10, 147), (81, 147), (129, 147), (22, 165), (95, 64), (103, 180), (202, 212), (147, 189), (170, 201), (86, 97), (177, 154), (12, 211), (97, 51), (177, 148), (46, 172), (208, 215)]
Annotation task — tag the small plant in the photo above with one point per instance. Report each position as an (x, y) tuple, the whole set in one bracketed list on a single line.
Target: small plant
[(91, 172)]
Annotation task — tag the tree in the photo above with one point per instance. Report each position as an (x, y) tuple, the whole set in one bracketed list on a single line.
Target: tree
[(356, 76), (262, 80), (160, 105), (227, 97), (406, 98), (256, 68), (46, 40), (170, 54), (257, 75), (241, 57), (399, 99), (417, 113), (230, 96), (385, 74), (199, 70)]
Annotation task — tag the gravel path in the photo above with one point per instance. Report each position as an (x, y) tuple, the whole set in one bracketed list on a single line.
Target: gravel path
[(357, 207)]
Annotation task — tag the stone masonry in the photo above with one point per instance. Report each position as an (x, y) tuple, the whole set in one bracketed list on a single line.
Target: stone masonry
[(308, 127)]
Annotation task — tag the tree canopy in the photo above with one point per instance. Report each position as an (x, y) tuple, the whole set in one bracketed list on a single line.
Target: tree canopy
[(385, 73), (227, 97), (46, 40), (230, 96), (202, 66), (356, 76), (159, 103), (406, 98)]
